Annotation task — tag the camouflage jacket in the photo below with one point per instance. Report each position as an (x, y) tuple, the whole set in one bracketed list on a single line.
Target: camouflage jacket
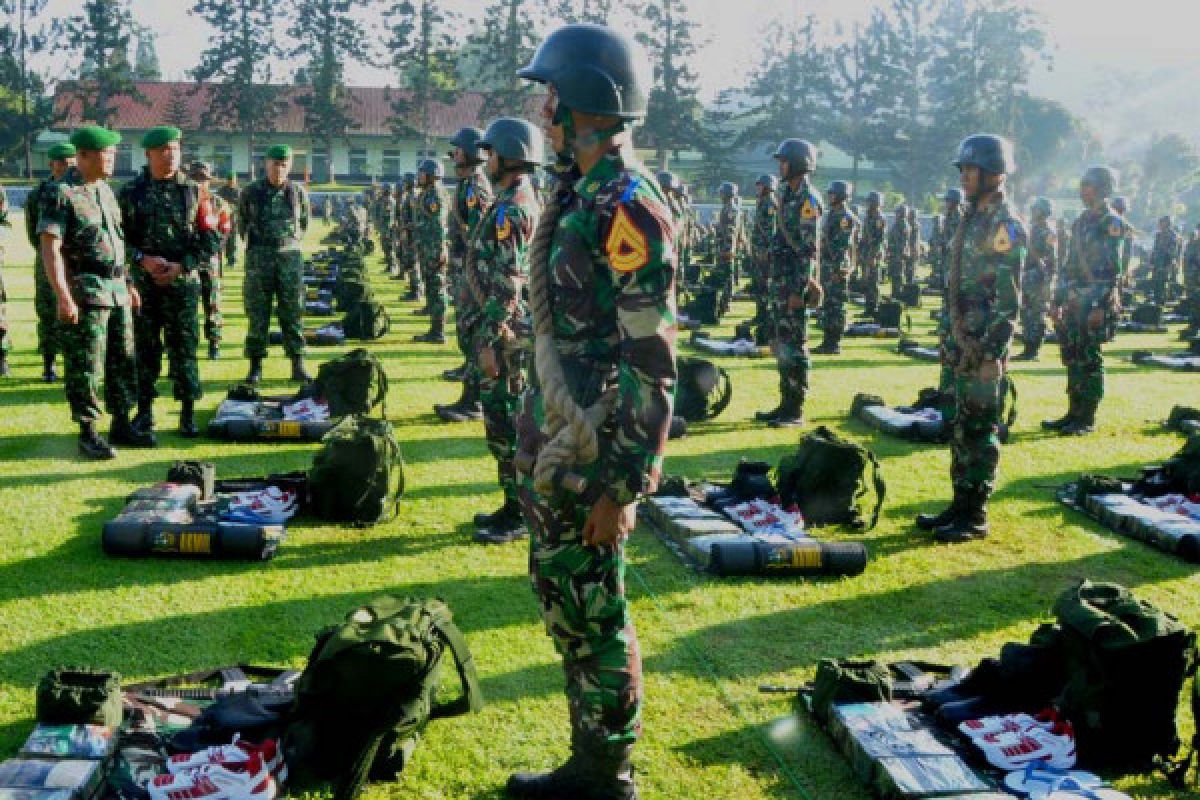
[(984, 281), (897, 240), (729, 231), (502, 259), (386, 217), (33, 205), (275, 217), (1168, 246), (225, 223), (870, 240), (1041, 267), (936, 241), (838, 232), (797, 237), (1191, 264), (763, 231), (914, 239), (431, 217), (87, 221), (950, 223), (163, 218), (472, 198), (1094, 258), (612, 270)]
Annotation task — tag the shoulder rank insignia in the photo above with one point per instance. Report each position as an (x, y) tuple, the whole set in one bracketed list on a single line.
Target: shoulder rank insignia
[(626, 245), (503, 224), (1002, 243), (845, 223), (1116, 229), (807, 211), (433, 206)]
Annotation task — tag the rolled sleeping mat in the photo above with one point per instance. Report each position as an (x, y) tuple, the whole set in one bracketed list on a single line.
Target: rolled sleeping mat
[(787, 558), (124, 536)]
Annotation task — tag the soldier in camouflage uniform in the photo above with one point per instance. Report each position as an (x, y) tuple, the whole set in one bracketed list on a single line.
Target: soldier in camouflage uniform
[(5, 344), (1064, 240), (170, 235), (793, 282), (762, 236), (838, 234), (213, 273), (472, 198), (937, 245), (430, 224), (61, 157), (406, 252), (1087, 301), (603, 301), (273, 218), (1041, 271), (947, 350), (983, 291), (230, 194), (1120, 204), (870, 250), (1191, 283), (1164, 261), (385, 221), (83, 253), (730, 238), (897, 249), (500, 265), (913, 256)]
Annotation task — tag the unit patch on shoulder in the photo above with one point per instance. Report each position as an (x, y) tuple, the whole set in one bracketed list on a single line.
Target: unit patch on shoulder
[(503, 228), (808, 211), (1116, 229), (1002, 243), (626, 245)]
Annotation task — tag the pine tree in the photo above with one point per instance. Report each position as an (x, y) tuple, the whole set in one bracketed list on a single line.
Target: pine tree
[(788, 89), (673, 113), (177, 111), (100, 34), (425, 55), (718, 141), (146, 66), (24, 36), (236, 67), (855, 92), (598, 12), (505, 42)]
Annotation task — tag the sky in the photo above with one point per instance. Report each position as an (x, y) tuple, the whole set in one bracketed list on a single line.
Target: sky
[(1146, 49)]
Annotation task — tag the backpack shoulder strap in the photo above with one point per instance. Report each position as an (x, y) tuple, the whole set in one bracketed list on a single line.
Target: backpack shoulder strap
[(879, 484), (1176, 770), (472, 696), (1012, 402), (724, 393)]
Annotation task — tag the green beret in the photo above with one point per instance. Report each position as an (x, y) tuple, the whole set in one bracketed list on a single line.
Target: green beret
[(60, 152), (94, 137), (163, 134), (279, 152)]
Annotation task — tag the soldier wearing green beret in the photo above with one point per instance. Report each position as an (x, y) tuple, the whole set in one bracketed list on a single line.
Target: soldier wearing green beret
[(83, 253), (273, 215), (170, 236), (61, 157), (212, 273)]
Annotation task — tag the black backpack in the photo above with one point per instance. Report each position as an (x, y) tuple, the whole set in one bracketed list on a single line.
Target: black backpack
[(889, 313), (354, 383), (910, 296), (826, 478), (358, 474), (703, 390), (1147, 314), (1182, 470), (369, 689), (367, 320)]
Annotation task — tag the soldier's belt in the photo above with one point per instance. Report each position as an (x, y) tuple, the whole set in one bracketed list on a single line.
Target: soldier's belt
[(109, 271)]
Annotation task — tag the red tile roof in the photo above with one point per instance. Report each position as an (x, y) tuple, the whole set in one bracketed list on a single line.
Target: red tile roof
[(370, 107)]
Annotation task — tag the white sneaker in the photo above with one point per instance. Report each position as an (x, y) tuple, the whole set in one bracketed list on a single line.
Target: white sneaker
[(236, 752), (247, 780), (1006, 723), (1012, 751)]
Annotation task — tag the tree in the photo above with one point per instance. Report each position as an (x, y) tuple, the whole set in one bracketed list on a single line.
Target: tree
[(330, 34), (673, 113), (718, 141), (598, 12), (146, 66), (1050, 142), (504, 43), (100, 34), (855, 91), (424, 53), (178, 111), (21, 38), (235, 68), (1170, 161)]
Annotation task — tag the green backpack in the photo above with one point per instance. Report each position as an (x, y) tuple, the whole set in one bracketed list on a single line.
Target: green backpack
[(353, 287), (366, 320), (1183, 468), (847, 681), (358, 474), (354, 383), (1182, 414), (826, 478), (703, 390), (890, 313), (369, 689)]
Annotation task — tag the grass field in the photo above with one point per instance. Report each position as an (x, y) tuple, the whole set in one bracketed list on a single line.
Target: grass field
[(708, 644)]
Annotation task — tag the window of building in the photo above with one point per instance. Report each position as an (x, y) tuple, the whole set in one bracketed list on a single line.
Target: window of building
[(320, 163), (391, 164), (358, 161), (124, 163)]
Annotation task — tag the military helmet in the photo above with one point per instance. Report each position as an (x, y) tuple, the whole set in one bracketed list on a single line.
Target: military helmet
[(769, 181), (385, 188), (1042, 205), (469, 140), (594, 69), (987, 151), (1167, 219), (1103, 179), (666, 179), (514, 139), (839, 189), (430, 166), (800, 155), (409, 178), (953, 196), (874, 199), (1120, 204), (727, 189)]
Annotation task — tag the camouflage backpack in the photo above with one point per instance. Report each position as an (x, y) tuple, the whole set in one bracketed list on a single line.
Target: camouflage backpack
[(826, 478), (367, 320), (703, 390), (354, 383), (889, 314), (353, 288), (357, 476), (1183, 468)]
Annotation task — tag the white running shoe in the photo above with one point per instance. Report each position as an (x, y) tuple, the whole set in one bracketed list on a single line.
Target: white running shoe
[(246, 780)]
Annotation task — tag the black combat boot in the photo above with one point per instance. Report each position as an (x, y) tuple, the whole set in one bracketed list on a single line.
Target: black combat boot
[(92, 444), (466, 409), (790, 413), (299, 373), (506, 525), (5, 370), (456, 374), (130, 433), (1084, 421), (1066, 419), (254, 375), (187, 420), (435, 335), (773, 414), (49, 373), (214, 351), (603, 774), (929, 522), (143, 421), (1030, 353), (971, 522)]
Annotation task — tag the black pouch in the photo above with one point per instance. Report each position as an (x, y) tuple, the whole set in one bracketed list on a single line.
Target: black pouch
[(79, 696)]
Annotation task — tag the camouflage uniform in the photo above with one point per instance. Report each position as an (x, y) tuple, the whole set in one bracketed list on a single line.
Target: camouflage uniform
[(405, 245), (213, 273), (430, 220), (5, 343), (937, 264), (385, 221), (273, 221), (1164, 263), (472, 199), (729, 243), (44, 301), (87, 221), (1041, 269), (897, 253), (762, 235), (946, 346), (161, 218), (870, 253), (1191, 282), (612, 270), (794, 256), (230, 195), (838, 233), (914, 247)]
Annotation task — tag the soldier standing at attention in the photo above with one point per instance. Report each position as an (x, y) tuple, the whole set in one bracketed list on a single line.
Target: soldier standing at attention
[(913, 256), (62, 158), (273, 217), (230, 194), (212, 273), (5, 342), (170, 234), (1041, 270), (983, 291), (501, 273), (1088, 300), (83, 253), (1120, 204), (1191, 283), (838, 233), (1064, 240), (937, 244), (897, 249), (1164, 261), (729, 242), (406, 249), (386, 222), (602, 274), (947, 349), (431, 219), (793, 283), (870, 250), (762, 234)]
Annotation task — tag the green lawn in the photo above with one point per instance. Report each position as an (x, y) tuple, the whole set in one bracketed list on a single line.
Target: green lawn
[(707, 643)]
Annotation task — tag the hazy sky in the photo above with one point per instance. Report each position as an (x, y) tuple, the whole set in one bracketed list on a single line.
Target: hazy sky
[(1138, 39)]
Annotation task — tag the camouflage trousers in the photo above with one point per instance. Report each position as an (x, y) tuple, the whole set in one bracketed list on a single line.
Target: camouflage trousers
[(388, 244), (791, 347), (947, 381), (1081, 348), (210, 300), (500, 398), (896, 275), (759, 267), (723, 281), (833, 310), (100, 344), (910, 270), (168, 322), (406, 256), (433, 275), (975, 442), (274, 277), (1034, 298), (45, 304), (231, 245), (1162, 282), (1192, 305), (871, 285)]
